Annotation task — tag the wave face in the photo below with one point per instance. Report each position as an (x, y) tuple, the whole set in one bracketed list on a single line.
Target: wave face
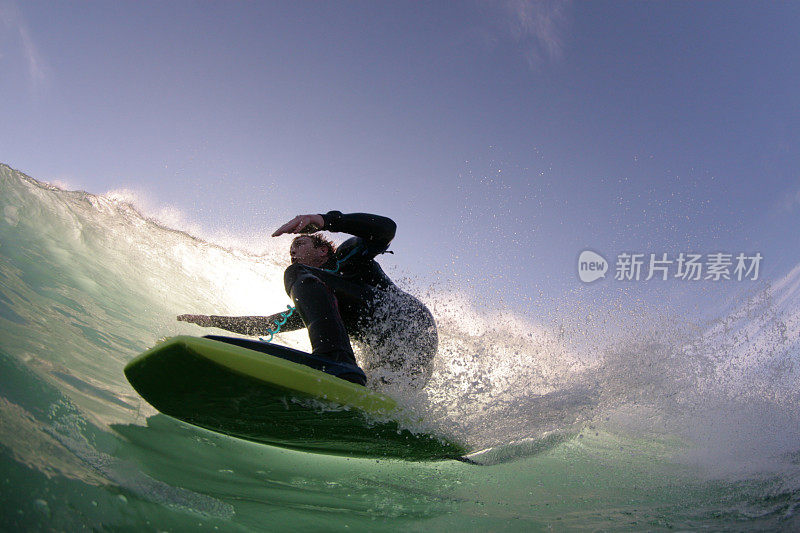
[(666, 426)]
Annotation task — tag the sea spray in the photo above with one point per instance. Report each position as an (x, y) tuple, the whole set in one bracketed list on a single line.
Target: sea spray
[(601, 413)]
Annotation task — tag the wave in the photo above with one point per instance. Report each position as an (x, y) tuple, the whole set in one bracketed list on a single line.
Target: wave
[(90, 281)]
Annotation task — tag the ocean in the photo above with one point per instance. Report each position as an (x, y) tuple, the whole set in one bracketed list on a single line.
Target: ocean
[(665, 428)]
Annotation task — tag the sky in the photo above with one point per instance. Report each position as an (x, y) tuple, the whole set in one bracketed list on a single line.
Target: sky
[(504, 138)]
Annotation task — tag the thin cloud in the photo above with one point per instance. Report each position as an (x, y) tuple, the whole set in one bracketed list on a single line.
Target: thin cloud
[(37, 67), (789, 202), (540, 27), (35, 63)]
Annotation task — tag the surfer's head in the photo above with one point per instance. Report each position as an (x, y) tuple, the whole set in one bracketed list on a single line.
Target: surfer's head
[(312, 250)]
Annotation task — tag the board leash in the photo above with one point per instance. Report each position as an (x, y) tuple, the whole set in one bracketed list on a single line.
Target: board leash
[(279, 322)]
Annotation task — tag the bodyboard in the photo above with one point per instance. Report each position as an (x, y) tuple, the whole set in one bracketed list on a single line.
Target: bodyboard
[(267, 398)]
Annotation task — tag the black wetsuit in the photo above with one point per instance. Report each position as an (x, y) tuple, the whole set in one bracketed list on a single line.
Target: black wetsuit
[(395, 331), (350, 297)]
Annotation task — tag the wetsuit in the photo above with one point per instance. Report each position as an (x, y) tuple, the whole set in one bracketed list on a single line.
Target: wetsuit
[(351, 297)]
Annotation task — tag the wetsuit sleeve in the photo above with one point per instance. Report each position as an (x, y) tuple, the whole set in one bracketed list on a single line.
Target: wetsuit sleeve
[(255, 325), (376, 231)]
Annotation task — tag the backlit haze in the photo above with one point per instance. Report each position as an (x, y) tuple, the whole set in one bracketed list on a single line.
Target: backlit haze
[(504, 138)]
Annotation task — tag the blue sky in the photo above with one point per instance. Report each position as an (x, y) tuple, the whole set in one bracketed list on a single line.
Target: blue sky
[(503, 137)]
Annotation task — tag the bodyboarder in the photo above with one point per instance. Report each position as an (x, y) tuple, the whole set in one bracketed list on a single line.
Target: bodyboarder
[(342, 293)]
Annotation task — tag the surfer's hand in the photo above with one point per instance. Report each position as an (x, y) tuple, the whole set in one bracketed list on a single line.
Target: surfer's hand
[(301, 224), (200, 320)]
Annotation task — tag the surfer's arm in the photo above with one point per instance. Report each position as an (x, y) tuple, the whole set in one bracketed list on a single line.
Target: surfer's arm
[(376, 231), (301, 224), (245, 325), (372, 228)]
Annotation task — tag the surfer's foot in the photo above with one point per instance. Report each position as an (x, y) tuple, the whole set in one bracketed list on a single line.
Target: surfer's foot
[(358, 379)]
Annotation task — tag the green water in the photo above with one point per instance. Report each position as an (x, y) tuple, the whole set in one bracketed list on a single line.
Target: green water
[(87, 283)]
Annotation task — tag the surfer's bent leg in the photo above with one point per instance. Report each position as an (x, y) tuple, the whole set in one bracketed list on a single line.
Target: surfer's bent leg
[(320, 313)]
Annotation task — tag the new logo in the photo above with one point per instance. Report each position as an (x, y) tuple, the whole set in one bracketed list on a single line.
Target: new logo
[(591, 266)]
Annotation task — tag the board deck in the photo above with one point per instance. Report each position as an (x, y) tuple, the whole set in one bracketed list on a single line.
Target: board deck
[(265, 398)]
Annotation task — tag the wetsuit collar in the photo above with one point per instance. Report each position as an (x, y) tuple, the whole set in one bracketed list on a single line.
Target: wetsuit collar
[(330, 264)]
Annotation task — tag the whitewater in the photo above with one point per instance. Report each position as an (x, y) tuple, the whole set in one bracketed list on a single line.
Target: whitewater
[(656, 425)]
